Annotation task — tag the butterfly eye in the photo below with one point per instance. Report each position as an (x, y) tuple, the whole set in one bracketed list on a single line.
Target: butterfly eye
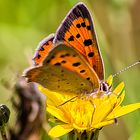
[(104, 86)]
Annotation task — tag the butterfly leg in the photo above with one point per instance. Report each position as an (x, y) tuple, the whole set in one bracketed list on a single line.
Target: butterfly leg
[(92, 116), (67, 101)]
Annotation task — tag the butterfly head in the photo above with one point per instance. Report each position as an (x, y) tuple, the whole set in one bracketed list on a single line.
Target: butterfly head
[(105, 87)]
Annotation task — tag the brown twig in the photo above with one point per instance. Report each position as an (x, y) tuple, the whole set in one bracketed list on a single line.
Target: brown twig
[(30, 112)]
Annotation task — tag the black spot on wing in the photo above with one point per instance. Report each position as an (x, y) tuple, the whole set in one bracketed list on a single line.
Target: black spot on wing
[(67, 54), (62, 56), (48, 61), (90, 54), (47, 43), (82, 71), (76, 64), (78, 35), (89, 27), (74, 55), (52, 57), (38, 56), (42, 48), (71, 38), (87, 42), (57, 64), (80, 10), (83, 24), (94, 67), (78, 25), (88, 78), (63, 61)]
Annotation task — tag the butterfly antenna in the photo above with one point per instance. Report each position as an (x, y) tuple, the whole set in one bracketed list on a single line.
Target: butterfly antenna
[(128, 67)]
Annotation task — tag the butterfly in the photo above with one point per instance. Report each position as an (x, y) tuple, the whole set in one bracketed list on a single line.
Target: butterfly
[(70, 61)]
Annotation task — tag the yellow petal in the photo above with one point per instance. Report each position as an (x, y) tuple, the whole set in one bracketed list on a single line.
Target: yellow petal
[(50, 94), (60, 130), (79, 127), (59, 114), (117, 105), (119, 88), (110, 80), (120, 99), (103, 110), (112, 115), (99, 125), (124, 110)]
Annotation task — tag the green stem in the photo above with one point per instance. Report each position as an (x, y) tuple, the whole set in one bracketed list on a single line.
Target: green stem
[(3, 133), (72, 135), (92, 135)]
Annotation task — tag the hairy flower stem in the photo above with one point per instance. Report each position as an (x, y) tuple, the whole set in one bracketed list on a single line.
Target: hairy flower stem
[(92, 135)]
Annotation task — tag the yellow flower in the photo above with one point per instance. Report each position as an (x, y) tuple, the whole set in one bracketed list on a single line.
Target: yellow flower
[(86, 113)]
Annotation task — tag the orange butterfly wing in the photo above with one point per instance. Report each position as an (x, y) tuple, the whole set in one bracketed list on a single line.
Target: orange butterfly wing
[(77, 31), (43, 49), (64, 70)]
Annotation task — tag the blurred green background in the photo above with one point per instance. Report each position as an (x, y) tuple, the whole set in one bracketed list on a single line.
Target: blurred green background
[(24, 23)]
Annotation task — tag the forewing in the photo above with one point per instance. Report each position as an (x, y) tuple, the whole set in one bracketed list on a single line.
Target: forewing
[(65, 70), (77, 31), (43, 49)]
